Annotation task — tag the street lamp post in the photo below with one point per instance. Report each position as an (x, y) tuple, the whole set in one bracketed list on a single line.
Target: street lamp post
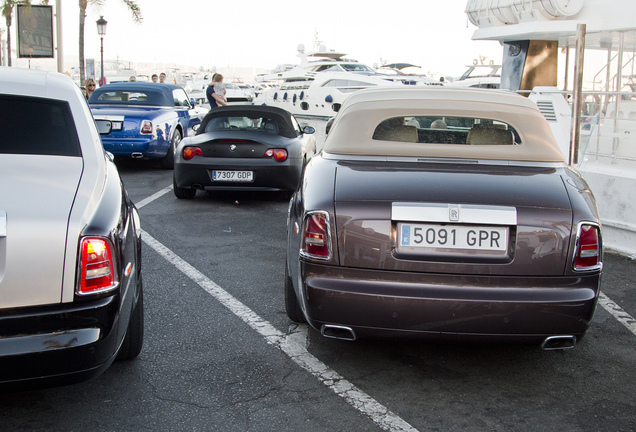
[(101, 30)]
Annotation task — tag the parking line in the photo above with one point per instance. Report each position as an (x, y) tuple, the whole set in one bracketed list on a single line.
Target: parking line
[(291, 344), (617, 312), (153, 197)]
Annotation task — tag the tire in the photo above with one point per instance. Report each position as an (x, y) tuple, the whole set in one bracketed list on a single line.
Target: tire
[(292, 307), (182, 193), (134, 339), (167, 162)]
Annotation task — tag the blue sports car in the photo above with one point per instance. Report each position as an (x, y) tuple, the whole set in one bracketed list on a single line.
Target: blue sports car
[(147, 119)]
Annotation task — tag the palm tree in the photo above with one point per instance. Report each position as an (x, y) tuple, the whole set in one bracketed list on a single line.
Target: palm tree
[(83, 4), (7, 12), (1, 33)]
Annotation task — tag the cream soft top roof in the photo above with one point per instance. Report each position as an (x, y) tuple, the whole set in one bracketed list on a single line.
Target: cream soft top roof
[(364, 110)]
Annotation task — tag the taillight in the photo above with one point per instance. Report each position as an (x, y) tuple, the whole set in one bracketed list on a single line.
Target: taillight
[(146, 127), (190, 152), (279, 154), (97, 269), (588, 248), (315, 236)]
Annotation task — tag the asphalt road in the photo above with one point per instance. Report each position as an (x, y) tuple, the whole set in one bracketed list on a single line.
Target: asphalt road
[(213, 366)]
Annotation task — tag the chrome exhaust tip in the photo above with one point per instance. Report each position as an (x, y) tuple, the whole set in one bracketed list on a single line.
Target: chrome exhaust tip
[(338, 332), (137, 155), (558, 343)]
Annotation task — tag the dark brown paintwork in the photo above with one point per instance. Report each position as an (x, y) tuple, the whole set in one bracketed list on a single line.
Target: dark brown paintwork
[(530, 307), (529, 293)]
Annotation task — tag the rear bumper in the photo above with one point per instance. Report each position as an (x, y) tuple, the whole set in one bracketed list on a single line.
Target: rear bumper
[(448, 307), (146, 146), (268, 175), (54, 345)]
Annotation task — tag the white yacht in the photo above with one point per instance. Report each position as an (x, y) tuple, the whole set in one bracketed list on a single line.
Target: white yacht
[(407, 73), (317, 87), (479, 75), (607, 146)]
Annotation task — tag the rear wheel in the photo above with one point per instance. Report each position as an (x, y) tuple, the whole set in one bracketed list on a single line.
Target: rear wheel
[(131, 347), (167, 162), (292, 307), (182, 193)]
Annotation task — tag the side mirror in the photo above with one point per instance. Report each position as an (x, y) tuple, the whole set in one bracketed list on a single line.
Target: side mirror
[(104, 127), (196, 127), (308, 130), (192, 102)]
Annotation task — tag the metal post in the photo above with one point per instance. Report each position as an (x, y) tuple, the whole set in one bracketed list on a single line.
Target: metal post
[(567, 66), (619, 87), (608, 76), (101, 83), (578, 94), (58, 32)]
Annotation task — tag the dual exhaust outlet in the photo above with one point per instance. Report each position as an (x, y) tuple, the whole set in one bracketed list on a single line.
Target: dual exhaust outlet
[(338, 332), (551, 343), (558, 343)]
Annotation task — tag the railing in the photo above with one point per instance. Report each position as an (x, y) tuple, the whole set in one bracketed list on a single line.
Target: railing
[(608, 130), (608, 134)]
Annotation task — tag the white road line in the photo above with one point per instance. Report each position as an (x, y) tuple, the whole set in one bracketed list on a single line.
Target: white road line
[(617, 312), (153, 197), (293, 344)]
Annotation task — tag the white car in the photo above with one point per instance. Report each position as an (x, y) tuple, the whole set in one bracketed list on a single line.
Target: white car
[(71, 298), (235, 94)]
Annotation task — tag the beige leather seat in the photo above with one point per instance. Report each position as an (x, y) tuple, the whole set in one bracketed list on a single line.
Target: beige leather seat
[(489, 134), (397, 133)]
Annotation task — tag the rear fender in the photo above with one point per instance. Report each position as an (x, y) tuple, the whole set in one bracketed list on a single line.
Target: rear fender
[(317, 184)]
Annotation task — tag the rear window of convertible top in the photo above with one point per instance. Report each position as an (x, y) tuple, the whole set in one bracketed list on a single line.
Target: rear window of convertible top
[(253, 124), (129, 97), (37, 126), (447, 130)]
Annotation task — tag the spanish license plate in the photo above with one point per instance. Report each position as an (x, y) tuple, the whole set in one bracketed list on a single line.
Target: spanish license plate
[(468, 237), (239, 176)]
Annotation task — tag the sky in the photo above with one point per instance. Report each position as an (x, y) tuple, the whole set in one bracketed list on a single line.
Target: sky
[(433, 34)]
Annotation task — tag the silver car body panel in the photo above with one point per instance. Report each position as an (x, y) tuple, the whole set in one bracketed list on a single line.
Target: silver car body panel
[(60, 181), (32, 254)]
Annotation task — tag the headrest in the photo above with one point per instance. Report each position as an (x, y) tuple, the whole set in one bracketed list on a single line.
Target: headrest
[(489, 134), (396, 133)]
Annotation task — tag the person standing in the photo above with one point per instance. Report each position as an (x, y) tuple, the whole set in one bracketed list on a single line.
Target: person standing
[(90, 87), (214, 99), (162, 78), (154, 78)]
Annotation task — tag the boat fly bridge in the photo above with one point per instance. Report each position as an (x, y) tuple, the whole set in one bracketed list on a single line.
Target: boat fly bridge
[(538, 37)]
